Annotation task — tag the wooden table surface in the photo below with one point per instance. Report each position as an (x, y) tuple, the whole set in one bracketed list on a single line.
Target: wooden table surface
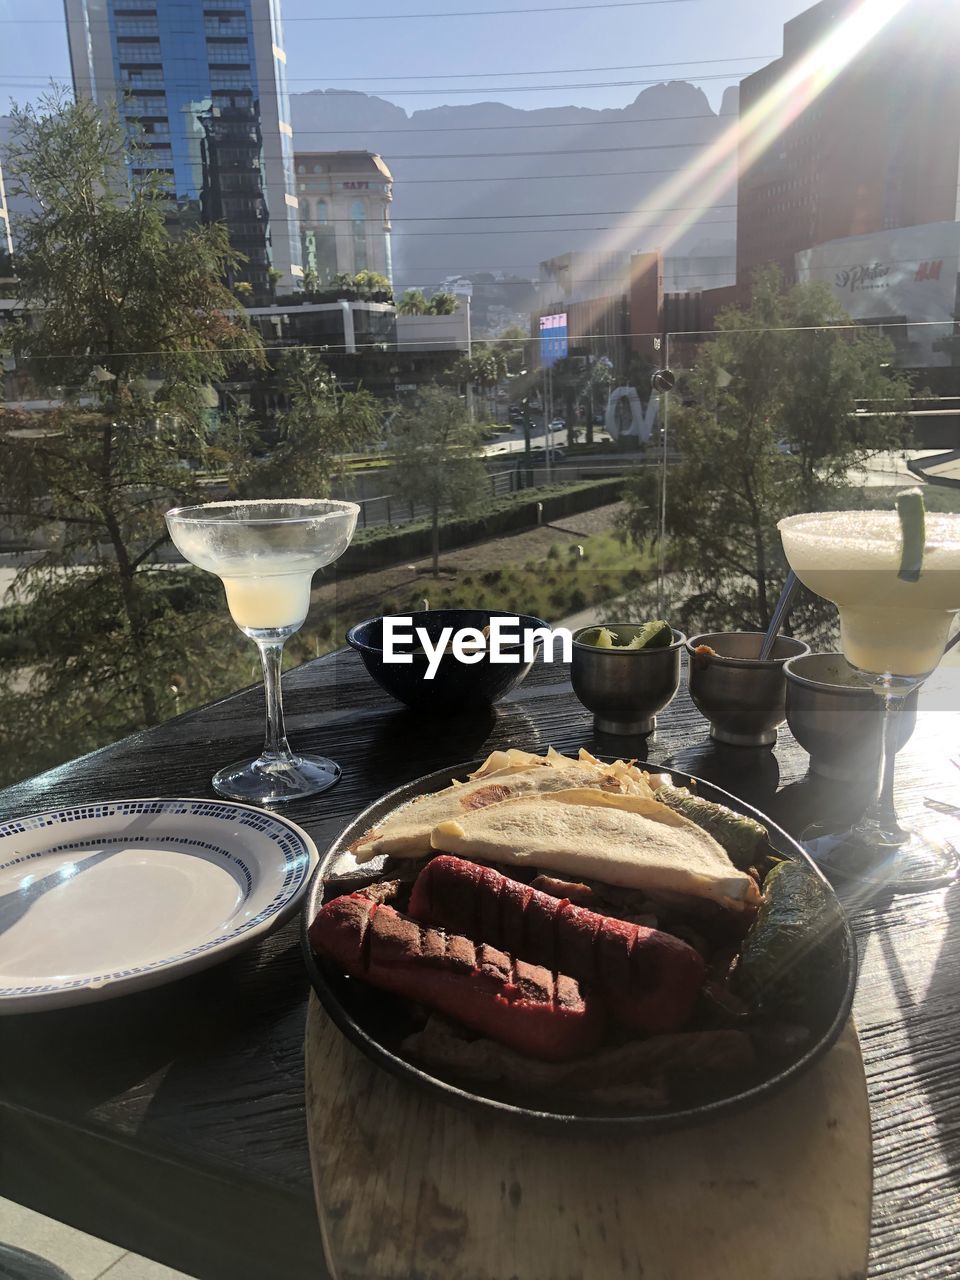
[(172, 1122)]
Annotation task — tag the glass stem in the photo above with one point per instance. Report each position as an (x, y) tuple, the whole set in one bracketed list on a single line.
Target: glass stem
[(880, 820), (275, 745)]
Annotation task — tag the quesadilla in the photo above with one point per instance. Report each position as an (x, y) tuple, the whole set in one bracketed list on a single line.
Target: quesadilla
[(504, 775), (626, 840)]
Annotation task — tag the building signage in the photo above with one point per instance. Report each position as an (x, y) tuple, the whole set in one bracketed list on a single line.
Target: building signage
[(553, 339), (907, 274), (356, 186)]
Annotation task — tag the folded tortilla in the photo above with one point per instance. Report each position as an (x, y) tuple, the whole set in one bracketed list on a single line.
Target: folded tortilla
[(626, 840), (504, 775)]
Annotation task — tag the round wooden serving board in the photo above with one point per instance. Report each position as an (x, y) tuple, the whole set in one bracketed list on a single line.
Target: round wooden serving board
[(409, 1188)]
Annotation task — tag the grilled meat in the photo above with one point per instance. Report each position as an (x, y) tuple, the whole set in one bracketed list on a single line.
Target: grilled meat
[(649, 980), (533, 1010)]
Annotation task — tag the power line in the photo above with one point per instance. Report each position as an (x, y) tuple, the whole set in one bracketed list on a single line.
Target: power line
[(388, 90), (136, 91), (533, 71), (392, 17), (497, 128), (519, 177), (507, 155), (582, 339), (618, 279), (486, 217), (563, 71), (536, 231)]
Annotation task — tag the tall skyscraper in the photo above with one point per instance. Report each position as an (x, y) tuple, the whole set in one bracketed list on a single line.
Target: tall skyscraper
[(203, 85)]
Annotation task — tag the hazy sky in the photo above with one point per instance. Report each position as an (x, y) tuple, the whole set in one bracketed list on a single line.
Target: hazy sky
[(468, 58)]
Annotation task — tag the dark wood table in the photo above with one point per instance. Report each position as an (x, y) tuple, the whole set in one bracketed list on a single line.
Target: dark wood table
[(172, 1122)]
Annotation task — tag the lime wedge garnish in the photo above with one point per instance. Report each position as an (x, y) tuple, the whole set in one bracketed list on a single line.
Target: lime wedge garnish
[(652, 635), (913, 534), (601, 637)]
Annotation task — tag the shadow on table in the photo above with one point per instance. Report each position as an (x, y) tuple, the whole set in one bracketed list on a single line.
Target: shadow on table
[(929, 1016), (751, 773), (171, 1121), (399, 738), (93, 1059)]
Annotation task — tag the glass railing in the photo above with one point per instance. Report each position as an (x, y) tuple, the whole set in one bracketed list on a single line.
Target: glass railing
[(593, 499), (767, 422)]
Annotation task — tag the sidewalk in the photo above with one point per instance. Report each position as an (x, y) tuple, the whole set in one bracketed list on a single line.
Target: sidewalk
[(82, 1257)]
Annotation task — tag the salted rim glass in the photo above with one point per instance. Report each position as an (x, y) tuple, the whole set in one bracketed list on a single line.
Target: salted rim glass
[(265, 552), (890, 618)]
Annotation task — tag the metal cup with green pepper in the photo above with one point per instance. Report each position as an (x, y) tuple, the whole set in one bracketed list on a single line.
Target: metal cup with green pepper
[(625, 673)]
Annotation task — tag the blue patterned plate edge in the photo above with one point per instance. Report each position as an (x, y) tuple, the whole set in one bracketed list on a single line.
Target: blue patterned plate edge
[(300, 859)]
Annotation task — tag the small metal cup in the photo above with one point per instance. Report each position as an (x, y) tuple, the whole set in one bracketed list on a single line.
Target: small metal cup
[(838, 724), (625, 688), (743, 698)]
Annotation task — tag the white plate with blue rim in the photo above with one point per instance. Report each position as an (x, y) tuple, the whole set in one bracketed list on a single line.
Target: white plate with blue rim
[(98, 900)]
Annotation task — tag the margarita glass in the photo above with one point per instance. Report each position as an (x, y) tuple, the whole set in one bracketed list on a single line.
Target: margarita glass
[(266, 553), (894, 624)]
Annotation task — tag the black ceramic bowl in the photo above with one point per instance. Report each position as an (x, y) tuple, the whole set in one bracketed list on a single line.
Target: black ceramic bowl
[(456, 685)]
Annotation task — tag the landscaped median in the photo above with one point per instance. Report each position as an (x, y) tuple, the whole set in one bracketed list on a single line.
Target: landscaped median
[(379, 547)]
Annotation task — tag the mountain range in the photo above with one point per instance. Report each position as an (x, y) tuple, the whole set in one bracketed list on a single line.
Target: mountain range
[(461, 168)]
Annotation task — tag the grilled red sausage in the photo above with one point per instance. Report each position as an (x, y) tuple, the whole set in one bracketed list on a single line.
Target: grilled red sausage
[(649, 980), (536, 1012)]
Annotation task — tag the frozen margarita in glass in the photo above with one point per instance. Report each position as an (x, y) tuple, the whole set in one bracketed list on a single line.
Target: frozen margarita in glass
[(265, 554), (895, 579)]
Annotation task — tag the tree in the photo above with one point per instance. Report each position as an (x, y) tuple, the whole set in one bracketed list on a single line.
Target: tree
[(513, 343), (766, 426), (412, 302), (443, 303), (577, 382), (569, 378), (368, 282), (129, 330), (321, 423), (343, 283), (485, 367), (437, 458)]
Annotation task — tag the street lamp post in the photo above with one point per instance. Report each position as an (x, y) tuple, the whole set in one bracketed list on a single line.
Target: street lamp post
[(548, 415)]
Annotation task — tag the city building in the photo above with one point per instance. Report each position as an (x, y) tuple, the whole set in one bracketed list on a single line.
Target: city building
[(610, 305), (6, 240), (336, 327), (436, 333), (202, 85), (877, 149), (344, 213), (905, 280)]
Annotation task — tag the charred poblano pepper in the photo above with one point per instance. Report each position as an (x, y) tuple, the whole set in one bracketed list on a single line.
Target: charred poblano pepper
[(744, 839), (792, 955)]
